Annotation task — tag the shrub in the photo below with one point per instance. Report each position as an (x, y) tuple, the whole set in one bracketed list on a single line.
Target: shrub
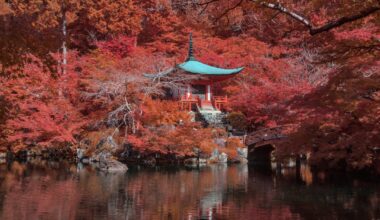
[(237, 120)]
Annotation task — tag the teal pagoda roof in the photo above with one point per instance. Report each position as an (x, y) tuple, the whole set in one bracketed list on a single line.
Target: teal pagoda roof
[(197, 67), (192, 65)]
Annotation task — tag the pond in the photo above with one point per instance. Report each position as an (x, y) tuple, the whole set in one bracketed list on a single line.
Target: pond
[(62, 190)]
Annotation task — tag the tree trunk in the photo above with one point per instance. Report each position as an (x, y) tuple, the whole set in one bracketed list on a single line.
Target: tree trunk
[(64, 41), (63, 61)]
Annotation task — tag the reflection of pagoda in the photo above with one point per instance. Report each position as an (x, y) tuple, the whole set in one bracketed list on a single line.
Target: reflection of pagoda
[(199, 93)]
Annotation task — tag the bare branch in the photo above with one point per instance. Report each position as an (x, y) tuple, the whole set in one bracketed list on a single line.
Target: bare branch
[(327, 26), (205, 5), (343, 20), (277, 6), (304, 70), (171, 78), (313, 30), (208, 2), (230, 9), (159, 75)]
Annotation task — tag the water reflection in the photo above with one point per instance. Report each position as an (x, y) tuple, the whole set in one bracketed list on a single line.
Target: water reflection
[(61, 190)]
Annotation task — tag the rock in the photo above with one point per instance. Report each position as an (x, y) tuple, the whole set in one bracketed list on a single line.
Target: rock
[(195, 161), (223, 158), (80, 153), (107, 143), (214, 156), (151, 161), (221, 142), (191, 161), (217, 157), (242, 155), (112, 165), (85, 160), (103, 156), (104, 161), (45, 154), (34, 152), (242, 152), (243, 160), (202, 161), (94, 159)]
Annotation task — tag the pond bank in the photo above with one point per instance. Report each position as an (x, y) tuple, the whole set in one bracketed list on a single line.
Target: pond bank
[(151, 160), (304, 172)]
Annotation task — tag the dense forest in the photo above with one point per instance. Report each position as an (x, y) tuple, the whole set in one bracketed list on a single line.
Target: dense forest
[(72, 73)]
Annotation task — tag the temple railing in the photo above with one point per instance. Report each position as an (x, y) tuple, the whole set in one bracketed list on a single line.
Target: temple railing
[(186, 102), (199, 101), (219, 102)]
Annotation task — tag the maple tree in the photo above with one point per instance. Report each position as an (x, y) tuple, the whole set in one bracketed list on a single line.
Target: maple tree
[(57, 25), (33, 103)]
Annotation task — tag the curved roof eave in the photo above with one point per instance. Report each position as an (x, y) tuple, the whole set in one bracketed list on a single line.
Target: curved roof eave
[(196, 67)]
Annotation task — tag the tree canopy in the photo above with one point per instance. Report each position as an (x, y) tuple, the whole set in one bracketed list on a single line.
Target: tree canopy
[(313, 64)]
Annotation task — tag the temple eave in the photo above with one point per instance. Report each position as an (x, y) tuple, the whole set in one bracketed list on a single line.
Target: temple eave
[(197, 67), (212, 74)]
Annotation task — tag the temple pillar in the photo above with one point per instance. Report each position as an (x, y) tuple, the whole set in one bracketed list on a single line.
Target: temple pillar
[(208, 95), (188, 93)]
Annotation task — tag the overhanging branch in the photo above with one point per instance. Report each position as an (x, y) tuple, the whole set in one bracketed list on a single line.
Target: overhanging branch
[(230, 9), (281, 8), (323, 28), (313, 30), (332, 24)]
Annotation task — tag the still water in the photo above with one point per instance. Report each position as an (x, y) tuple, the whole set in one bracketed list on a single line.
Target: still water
[(60, 190)]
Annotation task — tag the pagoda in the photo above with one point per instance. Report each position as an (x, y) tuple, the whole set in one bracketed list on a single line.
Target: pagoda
[(199, 92)]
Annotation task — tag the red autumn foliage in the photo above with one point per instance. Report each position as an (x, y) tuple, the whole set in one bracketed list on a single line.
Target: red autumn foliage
[(119, 46), (43, 110), (158, 113), (175, 140)]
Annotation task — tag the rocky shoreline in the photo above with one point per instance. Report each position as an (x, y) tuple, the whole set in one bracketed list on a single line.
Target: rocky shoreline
[(106, 162), (108, 156), (110, 160)]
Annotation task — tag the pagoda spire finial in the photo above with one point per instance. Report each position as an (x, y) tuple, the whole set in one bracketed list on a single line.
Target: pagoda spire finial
[(190, 55)]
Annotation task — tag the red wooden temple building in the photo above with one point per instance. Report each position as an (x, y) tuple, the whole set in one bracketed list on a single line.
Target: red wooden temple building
[(199, 92)]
